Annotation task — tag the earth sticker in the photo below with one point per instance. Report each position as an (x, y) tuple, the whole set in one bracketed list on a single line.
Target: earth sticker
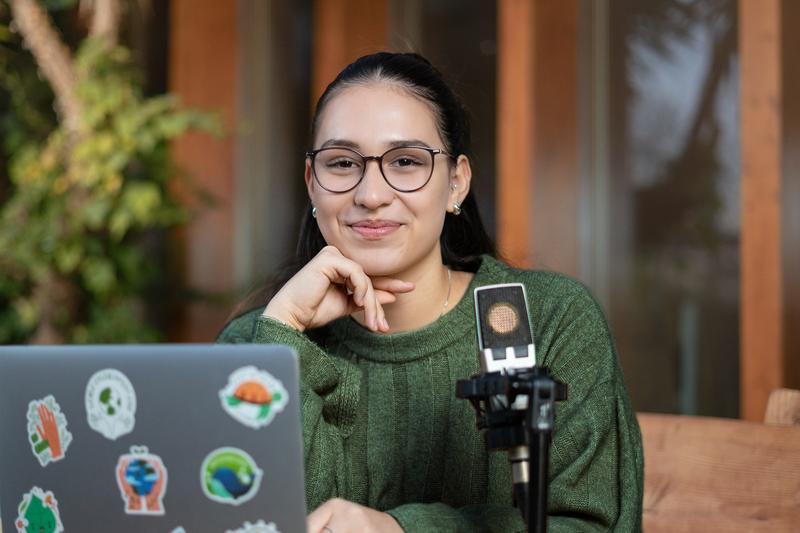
[(258, 527), (38, 513), (47, 430), (142, 481), (229, 475), (110, 403), (253, 397)]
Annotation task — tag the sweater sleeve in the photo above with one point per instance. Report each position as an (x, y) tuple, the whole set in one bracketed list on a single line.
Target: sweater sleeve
[(596, 464), (328, 391)]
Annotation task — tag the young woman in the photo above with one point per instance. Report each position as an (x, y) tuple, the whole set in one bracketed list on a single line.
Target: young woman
[(379, 308)]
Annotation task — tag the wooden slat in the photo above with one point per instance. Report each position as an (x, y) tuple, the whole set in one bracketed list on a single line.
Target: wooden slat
[(202, 68), (343, 31), (515, 100), (717, 475), (555, 132), (762, 306)]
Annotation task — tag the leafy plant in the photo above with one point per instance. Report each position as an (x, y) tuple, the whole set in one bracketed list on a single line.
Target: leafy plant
[(83, 204)]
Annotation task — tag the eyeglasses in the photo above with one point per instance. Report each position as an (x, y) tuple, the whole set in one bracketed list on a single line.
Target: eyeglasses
[(405, 168)]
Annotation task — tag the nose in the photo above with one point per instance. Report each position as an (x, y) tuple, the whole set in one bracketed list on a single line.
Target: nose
[(373, 191)]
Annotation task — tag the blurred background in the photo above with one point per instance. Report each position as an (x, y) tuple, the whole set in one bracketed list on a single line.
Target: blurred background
[(152, 155)]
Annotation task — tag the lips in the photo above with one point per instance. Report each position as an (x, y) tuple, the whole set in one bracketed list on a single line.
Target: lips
[(375, 229)]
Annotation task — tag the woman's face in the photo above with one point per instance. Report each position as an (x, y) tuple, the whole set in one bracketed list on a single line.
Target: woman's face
[(385, 231)]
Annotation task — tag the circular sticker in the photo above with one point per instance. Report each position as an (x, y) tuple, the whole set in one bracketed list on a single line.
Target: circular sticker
[(110, 403), (38, 513), (253, 396), (47, 430), (142, 481), (258, 527), (230, 475)]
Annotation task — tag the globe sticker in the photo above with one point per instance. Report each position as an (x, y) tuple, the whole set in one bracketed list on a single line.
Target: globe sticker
[(38, 513), (110, 403), (142, 481), (253, 397), (230, 475), (258, 527), (47, 430)]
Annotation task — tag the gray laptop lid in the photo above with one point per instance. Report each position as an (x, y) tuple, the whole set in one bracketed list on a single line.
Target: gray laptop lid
[(150, 438)]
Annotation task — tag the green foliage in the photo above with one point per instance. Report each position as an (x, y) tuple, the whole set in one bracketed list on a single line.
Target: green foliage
[(76, 210)]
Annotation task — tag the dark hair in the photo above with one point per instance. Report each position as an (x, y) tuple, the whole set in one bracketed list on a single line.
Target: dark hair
[(464, 238)]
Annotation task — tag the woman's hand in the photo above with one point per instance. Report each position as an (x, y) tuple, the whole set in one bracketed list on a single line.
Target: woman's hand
[(331, 286), (342, 516)]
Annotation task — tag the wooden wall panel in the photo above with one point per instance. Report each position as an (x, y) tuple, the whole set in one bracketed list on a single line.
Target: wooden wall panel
[(343, 31), (203, 66), (762, 307), (537, 129), (515, 103)]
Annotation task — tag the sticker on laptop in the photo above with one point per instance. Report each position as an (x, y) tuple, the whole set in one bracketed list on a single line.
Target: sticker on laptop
[(230, 475), (142, 481), (47, 430), (253, 397), (110, 403), (258, 527), (38, 512)]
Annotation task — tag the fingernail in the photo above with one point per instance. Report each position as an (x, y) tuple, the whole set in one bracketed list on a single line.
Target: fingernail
[(385, 323)]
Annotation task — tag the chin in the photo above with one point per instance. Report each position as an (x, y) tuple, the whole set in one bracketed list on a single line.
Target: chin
[(378, 262)]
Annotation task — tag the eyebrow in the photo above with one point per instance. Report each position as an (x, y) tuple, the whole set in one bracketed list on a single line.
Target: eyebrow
[(344, 143)]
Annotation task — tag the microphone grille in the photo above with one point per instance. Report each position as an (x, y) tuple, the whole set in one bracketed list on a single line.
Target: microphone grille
[(503, 318)]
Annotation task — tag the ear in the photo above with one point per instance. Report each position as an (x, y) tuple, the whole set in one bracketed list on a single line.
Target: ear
[(460, 179)]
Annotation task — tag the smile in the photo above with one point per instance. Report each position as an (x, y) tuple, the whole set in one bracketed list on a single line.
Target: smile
[(374, 229)]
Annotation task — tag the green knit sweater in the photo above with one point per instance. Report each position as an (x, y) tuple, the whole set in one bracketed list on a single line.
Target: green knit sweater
[(382, 426)]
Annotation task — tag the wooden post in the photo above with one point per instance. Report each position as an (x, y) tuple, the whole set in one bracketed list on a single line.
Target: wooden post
[(762, 304), (537, 133), (515, 98), (343, 31), (202, 66)]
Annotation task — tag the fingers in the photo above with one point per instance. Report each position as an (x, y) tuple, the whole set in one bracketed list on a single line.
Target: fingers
[(317, 520)]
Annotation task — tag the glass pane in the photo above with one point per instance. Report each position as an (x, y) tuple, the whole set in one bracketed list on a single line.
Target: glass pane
[(672, 200), (460, 38)]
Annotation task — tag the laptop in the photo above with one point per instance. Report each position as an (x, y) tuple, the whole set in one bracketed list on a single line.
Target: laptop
[(163, 438)]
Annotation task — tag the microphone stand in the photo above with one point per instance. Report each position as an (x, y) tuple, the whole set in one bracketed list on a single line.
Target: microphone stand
[(525, 433)]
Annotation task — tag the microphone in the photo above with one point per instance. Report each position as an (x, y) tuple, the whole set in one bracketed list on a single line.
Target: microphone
[(505, 337), (505, 343), (514, 398)]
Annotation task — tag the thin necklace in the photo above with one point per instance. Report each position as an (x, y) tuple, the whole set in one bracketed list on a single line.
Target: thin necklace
[(449, 288)]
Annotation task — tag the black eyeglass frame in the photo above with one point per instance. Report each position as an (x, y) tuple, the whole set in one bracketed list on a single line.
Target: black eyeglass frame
[(312, 154)]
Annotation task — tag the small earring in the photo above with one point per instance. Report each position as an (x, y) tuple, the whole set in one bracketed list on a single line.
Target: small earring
[(456, 208), (314, 212)]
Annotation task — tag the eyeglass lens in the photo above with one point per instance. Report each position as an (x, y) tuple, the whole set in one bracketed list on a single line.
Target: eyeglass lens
[(405, 168)]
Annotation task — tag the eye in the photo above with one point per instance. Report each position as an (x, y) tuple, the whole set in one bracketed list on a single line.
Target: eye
[(342, 163)]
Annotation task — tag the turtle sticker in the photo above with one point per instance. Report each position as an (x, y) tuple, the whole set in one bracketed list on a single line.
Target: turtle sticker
[(110, 403), (38, 513), (47, 430), (142, 481), (253, 397), (258, 527), (229, 475)]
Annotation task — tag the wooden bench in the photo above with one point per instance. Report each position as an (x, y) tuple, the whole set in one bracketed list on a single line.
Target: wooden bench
[(719, 475)]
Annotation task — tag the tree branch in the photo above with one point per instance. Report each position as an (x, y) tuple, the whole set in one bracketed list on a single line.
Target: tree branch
[(106, 16), (53, 57)]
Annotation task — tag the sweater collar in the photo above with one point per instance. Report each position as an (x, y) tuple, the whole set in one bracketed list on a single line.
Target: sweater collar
[(428, 340)]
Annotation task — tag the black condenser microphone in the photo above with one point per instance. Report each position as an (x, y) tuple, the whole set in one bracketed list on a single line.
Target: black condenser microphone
[(505, 337), (512, 396), (505, 344)]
